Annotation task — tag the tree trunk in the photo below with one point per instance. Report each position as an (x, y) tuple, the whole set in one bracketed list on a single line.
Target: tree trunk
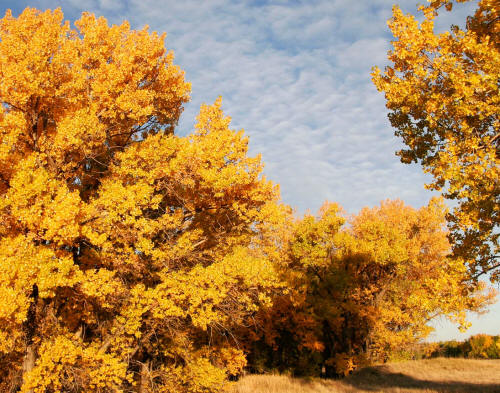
[(30, 330), (327, 370), (145, 377), (29, 361)]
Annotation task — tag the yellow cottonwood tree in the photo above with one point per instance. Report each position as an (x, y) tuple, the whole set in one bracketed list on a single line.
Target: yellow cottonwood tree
[(128, 255), (360, 291), (443, 94), (400, 257)]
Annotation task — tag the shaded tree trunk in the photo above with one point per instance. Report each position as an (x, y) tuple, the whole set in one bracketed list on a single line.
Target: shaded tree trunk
[(328, 370), (145, 377), (30, 331)]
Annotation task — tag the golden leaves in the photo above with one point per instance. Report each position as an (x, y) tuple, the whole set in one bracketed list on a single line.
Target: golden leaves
[(138, 241), (152, 252), (443, 94), (359, 290), (65, 362), (42, 205)]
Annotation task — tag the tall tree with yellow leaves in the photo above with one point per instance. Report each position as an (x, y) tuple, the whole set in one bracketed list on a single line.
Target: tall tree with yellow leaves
[(443, 94), (128, 255)]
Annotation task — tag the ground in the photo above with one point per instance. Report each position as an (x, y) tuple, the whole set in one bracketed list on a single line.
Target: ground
[(420, 376)]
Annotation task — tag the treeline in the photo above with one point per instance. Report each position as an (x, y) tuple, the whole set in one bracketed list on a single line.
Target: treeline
[(479, 346)]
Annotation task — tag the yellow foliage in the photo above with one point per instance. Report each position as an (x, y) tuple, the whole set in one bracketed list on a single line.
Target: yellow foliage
[(343, 363), (198, 376), (129, 256), (443, 95), (63, 363), (362, 290)]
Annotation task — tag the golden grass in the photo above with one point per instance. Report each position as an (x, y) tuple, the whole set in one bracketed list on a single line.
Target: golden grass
[(421, 376)]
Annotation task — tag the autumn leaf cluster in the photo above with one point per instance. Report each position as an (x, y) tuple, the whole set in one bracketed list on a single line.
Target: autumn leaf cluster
[(125, 251), (443, 95), (363, 288)]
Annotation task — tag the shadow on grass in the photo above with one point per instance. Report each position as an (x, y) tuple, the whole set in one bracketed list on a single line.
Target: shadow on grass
[(380, 377)]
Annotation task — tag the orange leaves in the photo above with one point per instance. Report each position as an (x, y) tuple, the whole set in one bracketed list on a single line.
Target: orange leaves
[(358, 291), (343, 363), (79, 134), (130, 73), (234, 360), (30, 48)]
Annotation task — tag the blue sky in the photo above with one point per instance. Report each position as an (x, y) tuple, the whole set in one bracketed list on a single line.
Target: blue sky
[(296, 76)]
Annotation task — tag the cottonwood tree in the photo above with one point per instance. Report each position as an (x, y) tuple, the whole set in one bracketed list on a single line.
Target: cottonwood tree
[(442, 92), (363, 288), (128, 255)]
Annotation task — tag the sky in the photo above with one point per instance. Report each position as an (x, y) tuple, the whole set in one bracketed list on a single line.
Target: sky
[(295, 75)]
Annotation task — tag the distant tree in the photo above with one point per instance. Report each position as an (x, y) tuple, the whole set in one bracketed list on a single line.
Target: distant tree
[(398, 257), (128, 255), (481, 346), (442, 91)]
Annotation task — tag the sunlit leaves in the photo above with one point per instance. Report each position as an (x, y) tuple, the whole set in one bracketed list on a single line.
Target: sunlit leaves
[(442, 91), (128, 255), (362, 288)]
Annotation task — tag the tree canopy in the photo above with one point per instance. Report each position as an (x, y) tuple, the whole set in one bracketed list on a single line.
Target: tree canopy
[(364, 287), (443, 94), (125, 251)]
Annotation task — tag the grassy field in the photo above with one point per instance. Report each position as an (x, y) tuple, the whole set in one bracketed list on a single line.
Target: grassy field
[(422, 376)]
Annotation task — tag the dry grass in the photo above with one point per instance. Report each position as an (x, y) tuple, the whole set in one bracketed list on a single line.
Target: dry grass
[(422, 376)]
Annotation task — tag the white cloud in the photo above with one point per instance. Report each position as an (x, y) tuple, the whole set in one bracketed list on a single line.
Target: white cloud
[(111, 5)]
